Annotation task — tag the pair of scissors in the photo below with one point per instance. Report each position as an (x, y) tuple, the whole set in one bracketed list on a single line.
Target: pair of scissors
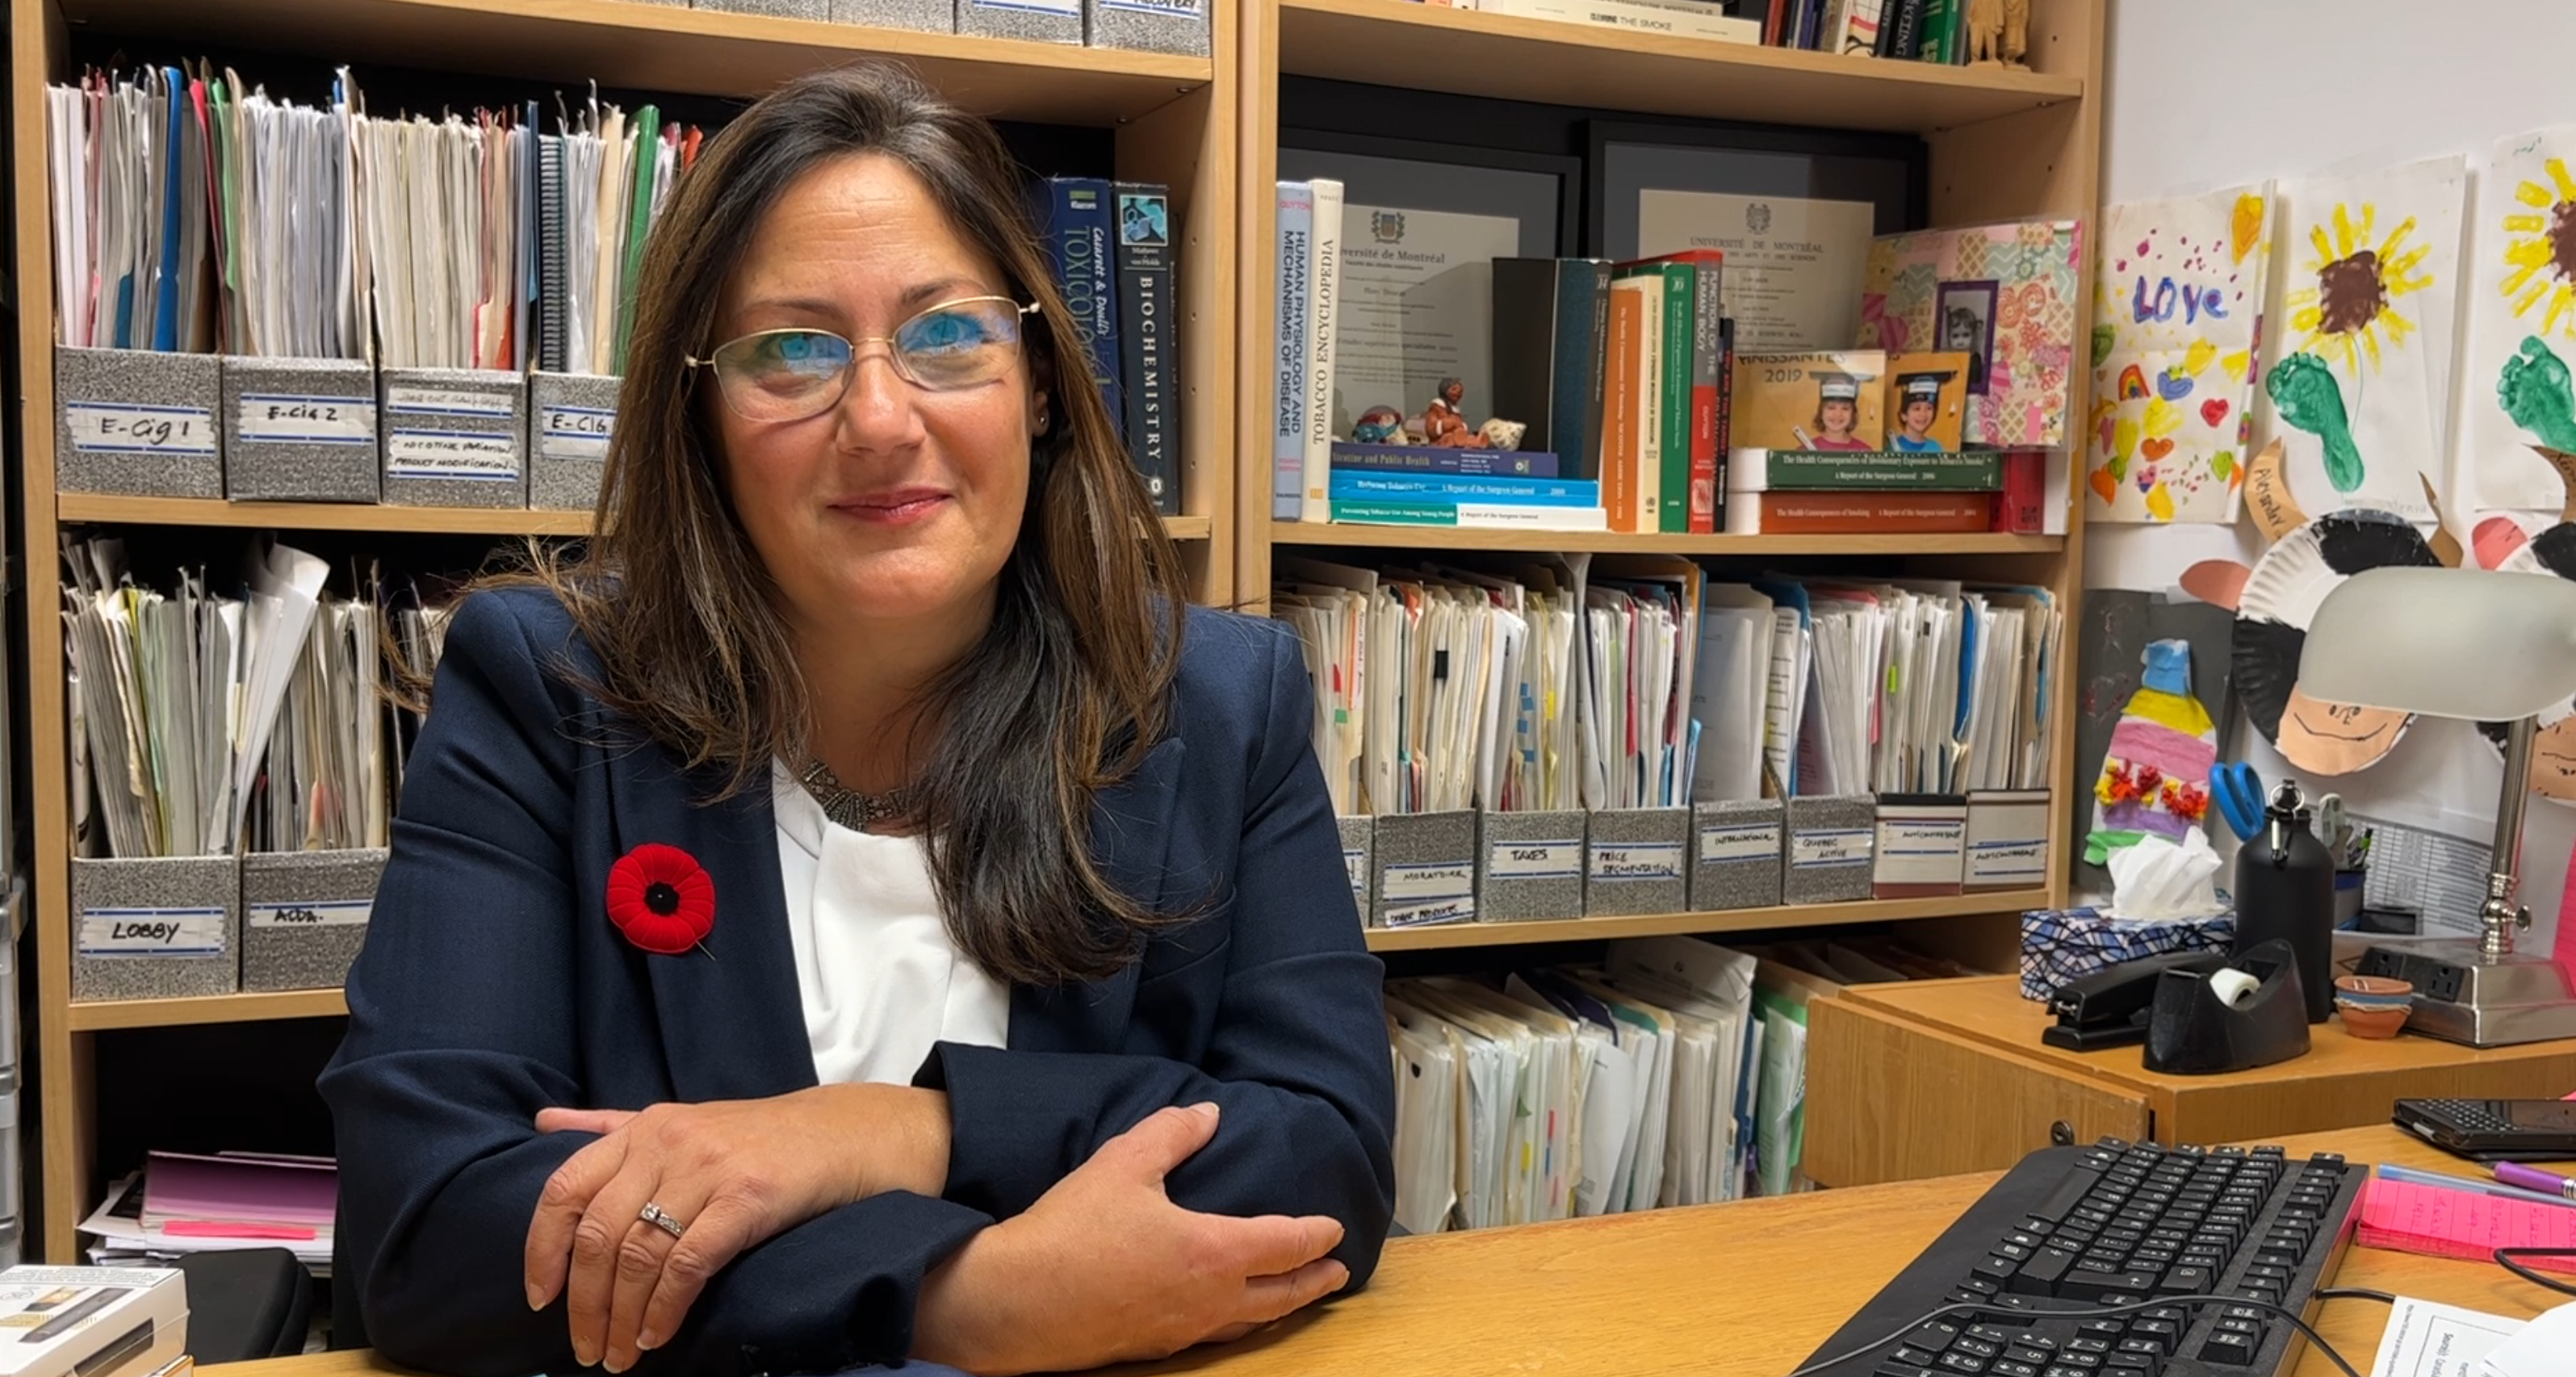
[(2238, 792)]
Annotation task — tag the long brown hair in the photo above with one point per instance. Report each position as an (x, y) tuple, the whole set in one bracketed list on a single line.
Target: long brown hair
[(1067, 690)]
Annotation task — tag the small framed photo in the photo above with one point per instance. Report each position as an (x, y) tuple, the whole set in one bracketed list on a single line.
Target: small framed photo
[(1966, 313)]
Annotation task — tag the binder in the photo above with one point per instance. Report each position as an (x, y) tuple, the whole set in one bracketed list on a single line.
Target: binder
[(1359, 842), (155, 927), (1154, 26), (304, 916), (136, 422), (1637, 862), (928, 16), (571, 418), (1922, 845), (300, 430), (1736, 856), (1424, 869), (455, 437), (1529, 865), (1831, 841)]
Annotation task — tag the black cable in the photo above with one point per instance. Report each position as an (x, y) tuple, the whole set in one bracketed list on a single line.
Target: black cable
[(2505, 1259), (2353, 1293), (2096, 1313)]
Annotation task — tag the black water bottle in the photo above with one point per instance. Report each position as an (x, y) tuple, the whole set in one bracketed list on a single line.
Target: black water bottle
[(2285, 889)]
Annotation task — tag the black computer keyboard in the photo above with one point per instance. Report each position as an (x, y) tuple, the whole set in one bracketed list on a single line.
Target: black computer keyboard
[(2073, 1232)]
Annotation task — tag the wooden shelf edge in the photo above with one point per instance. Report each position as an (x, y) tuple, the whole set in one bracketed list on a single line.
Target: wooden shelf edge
[(2001, 901), (98, 1015), (1618, 542), (111, 508)]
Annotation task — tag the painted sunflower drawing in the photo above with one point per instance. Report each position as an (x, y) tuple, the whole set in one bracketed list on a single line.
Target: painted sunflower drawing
[(2355, 282), (2541, 251)]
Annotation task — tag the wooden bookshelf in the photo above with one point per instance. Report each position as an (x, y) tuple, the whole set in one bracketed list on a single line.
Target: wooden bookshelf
[(647, 47), (1372, 537), (1730, 920), (98, 1015), (110, 509), (1383, 42)]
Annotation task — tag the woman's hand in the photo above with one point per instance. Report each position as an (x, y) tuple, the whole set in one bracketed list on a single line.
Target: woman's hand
[(1105, 1268), (734, 1173)]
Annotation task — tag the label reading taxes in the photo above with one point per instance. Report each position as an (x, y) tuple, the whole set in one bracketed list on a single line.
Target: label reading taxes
[(1638, 861), (574, 432), (1836, 846), (1556, 860), (2008, 860), (178, 934), (1356, 862), (306, 420), (335, 913), (1446, 880), (1069, 9), (443, 401), (182, 430), (447, 454), (1739, 841)]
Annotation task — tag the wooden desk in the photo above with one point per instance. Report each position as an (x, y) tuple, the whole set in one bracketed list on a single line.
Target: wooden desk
[(1741, 1290), (1936, 1077)]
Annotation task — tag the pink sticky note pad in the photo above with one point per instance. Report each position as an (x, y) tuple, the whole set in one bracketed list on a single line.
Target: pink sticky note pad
[(209, 1228)]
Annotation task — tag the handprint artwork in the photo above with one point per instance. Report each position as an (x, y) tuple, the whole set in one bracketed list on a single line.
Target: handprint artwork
[(2522, 324)]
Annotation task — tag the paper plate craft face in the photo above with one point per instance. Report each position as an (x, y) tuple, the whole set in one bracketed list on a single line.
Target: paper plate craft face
[(2502, 544), (2274, 602)]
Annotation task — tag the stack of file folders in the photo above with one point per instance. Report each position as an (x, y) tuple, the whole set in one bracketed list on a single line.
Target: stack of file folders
[(234, 765), (184, 1203)]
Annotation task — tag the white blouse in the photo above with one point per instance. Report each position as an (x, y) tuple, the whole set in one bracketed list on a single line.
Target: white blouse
[(877, 974)]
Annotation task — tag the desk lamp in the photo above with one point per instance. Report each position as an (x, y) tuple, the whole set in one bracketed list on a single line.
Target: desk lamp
[(2489, 647)]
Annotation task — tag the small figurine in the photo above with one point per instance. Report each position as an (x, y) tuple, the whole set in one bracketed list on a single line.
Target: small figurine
[(1444, 421), (1837, 412), (1379, 425), (1998, 33), (1502, 434)]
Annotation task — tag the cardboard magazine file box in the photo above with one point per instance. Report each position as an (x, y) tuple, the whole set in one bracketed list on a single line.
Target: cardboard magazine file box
[(304, 916), (1736, 856), (301, 430), (570, 419), (139, 423), (1037, 21), (928, 16), (1424, 869), (1153, 26), (1529, 866), (1359, 839), (455, 437), (1830, 841), (1922, 845), (2007, 839), (155, 927), (1637, 862)]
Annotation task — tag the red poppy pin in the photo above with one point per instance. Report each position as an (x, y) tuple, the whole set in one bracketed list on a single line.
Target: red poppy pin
[(662, 899)]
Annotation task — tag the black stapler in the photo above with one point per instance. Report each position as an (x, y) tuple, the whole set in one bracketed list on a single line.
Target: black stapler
[(2110, 1007)]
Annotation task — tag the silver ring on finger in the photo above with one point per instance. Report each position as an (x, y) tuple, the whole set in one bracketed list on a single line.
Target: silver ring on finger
[(661, 1219)]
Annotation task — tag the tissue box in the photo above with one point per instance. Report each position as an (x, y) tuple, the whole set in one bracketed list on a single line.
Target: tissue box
[(1425, 869), (130, 421), (155, 927), (2062, 945), (1531, 866), (1359, 838)]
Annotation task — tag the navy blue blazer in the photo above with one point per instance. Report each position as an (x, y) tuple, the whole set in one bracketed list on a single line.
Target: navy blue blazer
[(493, 986)]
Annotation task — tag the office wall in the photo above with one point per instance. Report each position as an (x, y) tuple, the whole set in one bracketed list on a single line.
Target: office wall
[(2212, 93)]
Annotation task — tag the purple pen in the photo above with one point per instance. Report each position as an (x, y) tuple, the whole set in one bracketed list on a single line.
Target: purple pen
[(2534, 1179)]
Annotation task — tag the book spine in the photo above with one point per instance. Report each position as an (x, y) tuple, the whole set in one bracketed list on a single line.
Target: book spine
[(1681, 375), (1549, 492), (1474, 463), (1798, 470), (1145, 310), (1860, 513), (1079, 243), (1905, 36), (1525, 341), (1589, 379), (1288, 435), (2022, 509), (1725, 425), (1485, 515), (1938, 17), (1775, 30), (1323, 280), (1619, 410), (1861, 23)]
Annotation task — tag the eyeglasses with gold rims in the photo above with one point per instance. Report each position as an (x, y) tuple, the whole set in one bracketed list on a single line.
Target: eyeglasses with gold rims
[(789, 375)]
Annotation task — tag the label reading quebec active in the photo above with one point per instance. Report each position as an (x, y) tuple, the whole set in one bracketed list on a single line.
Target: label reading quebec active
[(100, 429), (1834, 846), (1542, 860), (443, 401), (450, 454), (333, 913), (574, 432), (1739, 841), (306, 420), (179, 934), (1418, 895), (1637, 861)]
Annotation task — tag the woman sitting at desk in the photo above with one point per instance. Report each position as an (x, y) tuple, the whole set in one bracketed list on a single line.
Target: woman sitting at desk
[(854, 909)]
